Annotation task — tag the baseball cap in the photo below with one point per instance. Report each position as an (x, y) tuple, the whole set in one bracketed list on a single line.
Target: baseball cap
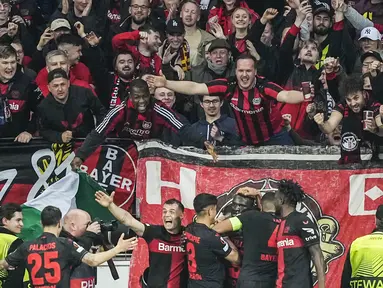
[(379, 212), (60, 23), (57, 73), (371, 33), (319, 7), (175, 26), (219, 43), (374, 54)]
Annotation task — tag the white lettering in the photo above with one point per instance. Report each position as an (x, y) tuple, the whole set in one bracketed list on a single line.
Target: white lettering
[(311, 238), (154, 183), (14, 107), (111, 154), (94, 174), (170, 248), (285, 243), (88, 284), (126, 183), (8, 175), (105, 176), (108, 166), (115, 180)]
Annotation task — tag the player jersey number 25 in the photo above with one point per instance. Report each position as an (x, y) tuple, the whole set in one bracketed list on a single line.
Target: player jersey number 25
[(45, 268)]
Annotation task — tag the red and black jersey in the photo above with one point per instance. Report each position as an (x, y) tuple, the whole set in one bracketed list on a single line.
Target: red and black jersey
[(255, 110), (48, 260), (343, 108), (232, 272), (206, 250), (167, 258), (296, 233), (259, 231), (126, 122)]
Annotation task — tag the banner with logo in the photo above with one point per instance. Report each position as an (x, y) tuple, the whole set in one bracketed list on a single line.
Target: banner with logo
[(26, 170), (342, 199)]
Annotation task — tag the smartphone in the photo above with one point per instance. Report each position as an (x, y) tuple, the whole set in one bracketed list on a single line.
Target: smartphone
[(306, 90)]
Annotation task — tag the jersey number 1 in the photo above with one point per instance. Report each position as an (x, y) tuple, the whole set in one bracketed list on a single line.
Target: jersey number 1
[(36, 260)]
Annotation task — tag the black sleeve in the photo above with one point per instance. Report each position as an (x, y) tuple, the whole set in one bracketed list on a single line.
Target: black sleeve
[(308, 231), (86, 240), (285, 61), (97, 108), (298, 140), (38, 62), (15, 277), (44, 127), (219, 246), (75, 252), (18, 256), (347, 270), (255, 35), (26, 40), (151, 232)]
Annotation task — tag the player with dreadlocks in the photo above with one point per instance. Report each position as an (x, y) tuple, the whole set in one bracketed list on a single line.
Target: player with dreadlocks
[(298, 240)]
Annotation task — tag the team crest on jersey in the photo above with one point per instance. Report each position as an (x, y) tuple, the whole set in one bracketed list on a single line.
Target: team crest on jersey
[(328, 226), (257, 101), (349, 141), (146, 125)]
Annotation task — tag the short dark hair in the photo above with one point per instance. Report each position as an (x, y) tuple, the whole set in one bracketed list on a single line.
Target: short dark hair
[(122, 52), (8, 210), (74, 40), (203, 200), (292, 191), (139, 84), (175, 201), (50, 216), (5, 1), (246, 57), (148, 29), (352, 84), (202, 96), (7, 51)]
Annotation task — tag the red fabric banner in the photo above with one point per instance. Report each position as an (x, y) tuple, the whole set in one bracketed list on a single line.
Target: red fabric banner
[(342, 200)]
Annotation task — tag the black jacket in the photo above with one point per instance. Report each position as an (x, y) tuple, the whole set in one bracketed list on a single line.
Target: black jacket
[(75, 115), (227, 127), (86, 240), (22, 99)]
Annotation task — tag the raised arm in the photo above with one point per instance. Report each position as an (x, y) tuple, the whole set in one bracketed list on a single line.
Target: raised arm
[(317, 257), (329, 125), (290, 97), (121, 215), (183, 87)]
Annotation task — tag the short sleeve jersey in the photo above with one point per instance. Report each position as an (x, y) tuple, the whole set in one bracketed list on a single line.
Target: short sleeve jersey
[(255, 110), (167, 257), (296, 233), (48, 260), (205, 250), (260, 250)]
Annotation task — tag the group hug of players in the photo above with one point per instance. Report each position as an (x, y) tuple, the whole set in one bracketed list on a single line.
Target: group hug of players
[(256, 243)]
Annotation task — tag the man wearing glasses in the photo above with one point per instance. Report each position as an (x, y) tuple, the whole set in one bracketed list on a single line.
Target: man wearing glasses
[(79, 227), (217, 128)]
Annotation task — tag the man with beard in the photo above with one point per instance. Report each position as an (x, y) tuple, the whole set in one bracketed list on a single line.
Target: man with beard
[(139, 117), (167, 266), (291, 74), (298, 240), (205, 248), (259, 267), (145, 53), (325, 32), (196, 37), (217, 66), (252, 98), (17, 99), (355, 125)]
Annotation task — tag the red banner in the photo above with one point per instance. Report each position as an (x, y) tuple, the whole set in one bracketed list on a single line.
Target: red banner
[(342, 199)]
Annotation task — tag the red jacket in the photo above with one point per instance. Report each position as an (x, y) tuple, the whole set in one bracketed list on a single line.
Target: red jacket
[(42, 82), (224, 19)]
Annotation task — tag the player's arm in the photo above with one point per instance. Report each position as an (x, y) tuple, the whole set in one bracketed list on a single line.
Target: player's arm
[(317, 257), (4, 265), (120, 214), (290, 97), (332, 122), (183, 87), (234, 257), (228, 225), (99, 258)]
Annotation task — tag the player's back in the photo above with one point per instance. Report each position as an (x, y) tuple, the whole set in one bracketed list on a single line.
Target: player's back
[(205, 248), (48, 260)]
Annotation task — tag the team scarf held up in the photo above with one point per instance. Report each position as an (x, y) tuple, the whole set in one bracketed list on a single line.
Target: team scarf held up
[(183, 54), (118, 93)]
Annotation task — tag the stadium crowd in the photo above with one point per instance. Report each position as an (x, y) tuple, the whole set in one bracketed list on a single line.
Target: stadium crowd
[(202, 73)]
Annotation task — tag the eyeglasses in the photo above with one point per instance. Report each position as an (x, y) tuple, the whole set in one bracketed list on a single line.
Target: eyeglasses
[(208, 102), (137, 7)]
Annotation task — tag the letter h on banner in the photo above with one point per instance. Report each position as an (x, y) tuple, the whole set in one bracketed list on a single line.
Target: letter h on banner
[(187, 185)]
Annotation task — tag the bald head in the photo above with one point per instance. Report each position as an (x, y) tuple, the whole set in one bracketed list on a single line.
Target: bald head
[(76, 221)]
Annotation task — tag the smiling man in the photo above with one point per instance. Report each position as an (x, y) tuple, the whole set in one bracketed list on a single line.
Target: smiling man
[(139, 117), (11, 225), (251, 97), (167, 265)]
